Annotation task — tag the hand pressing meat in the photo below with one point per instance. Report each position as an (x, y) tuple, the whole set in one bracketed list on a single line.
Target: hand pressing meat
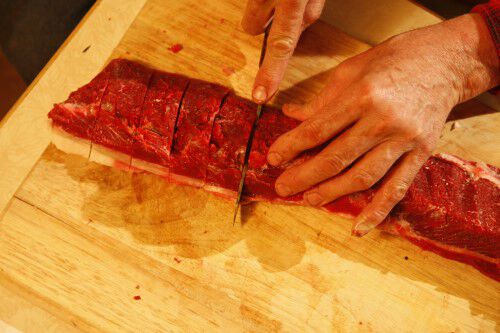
[(381, 113)]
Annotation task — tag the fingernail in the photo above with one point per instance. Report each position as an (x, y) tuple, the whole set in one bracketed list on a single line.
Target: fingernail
[(313, 199), (274, 159), (259, 94), (362, 228), (283, 190)]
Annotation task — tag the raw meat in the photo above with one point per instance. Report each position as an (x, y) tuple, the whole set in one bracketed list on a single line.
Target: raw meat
[(452, 208), (189, 158), (78, 113), (120, 110), (153, 139), (230, 136), (261, 177)]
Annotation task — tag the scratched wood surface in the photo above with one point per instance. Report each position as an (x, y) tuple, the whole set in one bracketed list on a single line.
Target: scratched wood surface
[(101, 249)]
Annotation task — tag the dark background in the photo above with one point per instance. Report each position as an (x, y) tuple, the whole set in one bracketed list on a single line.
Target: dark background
[(32, 30)]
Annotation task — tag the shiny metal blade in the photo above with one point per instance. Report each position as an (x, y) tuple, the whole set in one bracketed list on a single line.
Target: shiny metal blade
[(252, 132), (245, 162)]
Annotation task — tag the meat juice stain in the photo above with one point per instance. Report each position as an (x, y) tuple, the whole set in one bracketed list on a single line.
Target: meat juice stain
[(176, 48), (227, 70)]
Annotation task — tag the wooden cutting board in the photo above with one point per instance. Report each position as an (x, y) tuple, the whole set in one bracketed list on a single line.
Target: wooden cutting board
[(106, 250)]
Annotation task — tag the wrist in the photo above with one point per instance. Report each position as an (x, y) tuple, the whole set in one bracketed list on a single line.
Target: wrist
[(471, 55)]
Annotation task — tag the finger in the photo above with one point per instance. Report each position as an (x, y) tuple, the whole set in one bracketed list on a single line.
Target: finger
[(337, 156), (390, 193), (312, 12), (257, 15), (362, 176), (283, 37), (307, 110), (312, 132)]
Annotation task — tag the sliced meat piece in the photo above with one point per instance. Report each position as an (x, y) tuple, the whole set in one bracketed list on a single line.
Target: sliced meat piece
[(189, 157), (229, 140), (153, 139), (120, 111), (161, 106), (78, 113), (261, 177)]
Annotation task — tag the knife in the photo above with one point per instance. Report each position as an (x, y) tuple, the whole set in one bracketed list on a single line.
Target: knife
[(252, 132)]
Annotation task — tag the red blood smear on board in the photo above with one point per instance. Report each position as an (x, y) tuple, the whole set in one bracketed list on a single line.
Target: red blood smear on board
[(228, 70), (176, 48)]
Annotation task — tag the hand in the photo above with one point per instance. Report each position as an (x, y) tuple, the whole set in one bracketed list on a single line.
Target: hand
[(385, 110), (291, 17)]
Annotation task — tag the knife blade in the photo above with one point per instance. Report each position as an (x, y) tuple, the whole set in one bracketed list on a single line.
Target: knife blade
[(252, 132)]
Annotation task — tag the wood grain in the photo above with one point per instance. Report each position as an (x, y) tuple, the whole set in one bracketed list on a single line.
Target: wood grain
[(24, 133), (294, 266), (80, 237)]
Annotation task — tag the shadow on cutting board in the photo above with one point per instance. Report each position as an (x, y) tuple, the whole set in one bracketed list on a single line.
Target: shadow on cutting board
[(188, 223)]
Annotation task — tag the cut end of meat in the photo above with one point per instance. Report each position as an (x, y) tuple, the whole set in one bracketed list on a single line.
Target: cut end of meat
[(69, 143), (110, 157)]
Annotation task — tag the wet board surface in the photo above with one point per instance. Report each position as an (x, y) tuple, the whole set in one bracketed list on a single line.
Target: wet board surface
[(107, 250)]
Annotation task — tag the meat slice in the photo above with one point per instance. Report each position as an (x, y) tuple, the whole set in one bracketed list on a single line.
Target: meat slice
[(189, 157), (78, 113), (229, 140), (120, 110), (261, 177), (153, 139)]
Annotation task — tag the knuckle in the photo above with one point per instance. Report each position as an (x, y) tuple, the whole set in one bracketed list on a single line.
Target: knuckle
[(424, 146), (281, 46), (369, 92), (292, 5), (311, 16), (363, 179), (312, 130), (377, 215), (332, 163), (396, 193)]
